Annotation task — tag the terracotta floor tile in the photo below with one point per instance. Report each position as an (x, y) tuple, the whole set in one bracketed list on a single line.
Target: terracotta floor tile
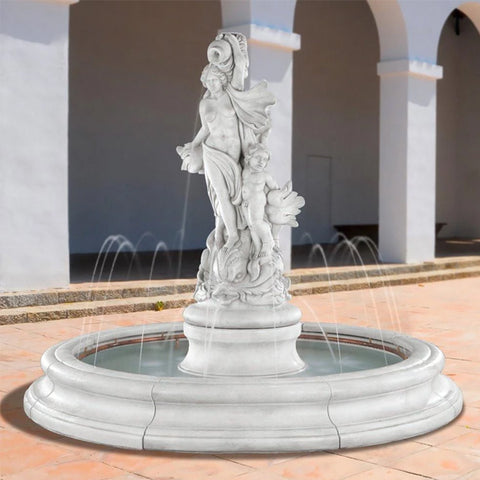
[(14, 379), (468, 443), (36, 327), (438, 463), (27, 456), (14, 356), (320, 466), (136, 461), (442, 435), (260, 475), (73, 470), (19, 365), (383, 473), (475, 475), (81, 449), (34, 344), (11, 439), (384, 454), (468, 384), (32, 434), (192, 467), (60, 332), (461, 366), (470, 417), (128, 476), (260, 461)]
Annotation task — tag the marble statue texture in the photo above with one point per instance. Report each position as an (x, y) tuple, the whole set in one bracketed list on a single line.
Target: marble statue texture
[(242, 262)]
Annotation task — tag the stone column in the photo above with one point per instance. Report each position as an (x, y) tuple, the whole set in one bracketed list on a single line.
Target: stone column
[(271, 58), (34, 250), (407, 160)]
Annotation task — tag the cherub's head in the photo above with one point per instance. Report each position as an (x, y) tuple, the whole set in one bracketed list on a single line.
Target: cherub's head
[(257, 157)]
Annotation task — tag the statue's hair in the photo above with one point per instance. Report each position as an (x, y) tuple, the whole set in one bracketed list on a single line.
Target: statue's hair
[(257, 147), (214, 70)]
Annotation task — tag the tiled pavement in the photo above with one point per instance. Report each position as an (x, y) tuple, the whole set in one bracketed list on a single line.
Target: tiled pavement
[(445, 313)]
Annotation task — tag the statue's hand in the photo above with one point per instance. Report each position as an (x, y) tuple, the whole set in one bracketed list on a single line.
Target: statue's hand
[(191, 158), (184, 153)]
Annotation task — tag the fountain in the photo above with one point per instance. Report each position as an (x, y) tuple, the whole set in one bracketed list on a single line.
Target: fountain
[(242, 373)]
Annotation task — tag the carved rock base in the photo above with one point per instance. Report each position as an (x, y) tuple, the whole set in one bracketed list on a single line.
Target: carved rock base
[(263, 345)]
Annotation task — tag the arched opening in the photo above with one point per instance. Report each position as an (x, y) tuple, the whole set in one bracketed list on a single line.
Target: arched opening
[(335, 119), (134, 90), (458, 143)]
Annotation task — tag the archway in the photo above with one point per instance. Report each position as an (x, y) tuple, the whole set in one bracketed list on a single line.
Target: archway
[(335, 117), (458, 162)]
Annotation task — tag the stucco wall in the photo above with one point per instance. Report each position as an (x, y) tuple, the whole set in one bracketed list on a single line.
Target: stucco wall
[(33, 145), (458, 141), (336, 113), (134, 91)]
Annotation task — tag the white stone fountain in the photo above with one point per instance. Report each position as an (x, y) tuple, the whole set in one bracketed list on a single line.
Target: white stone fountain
[(253, 378)]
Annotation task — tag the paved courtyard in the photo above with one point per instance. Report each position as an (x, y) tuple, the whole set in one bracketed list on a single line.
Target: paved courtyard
[(446, 313)]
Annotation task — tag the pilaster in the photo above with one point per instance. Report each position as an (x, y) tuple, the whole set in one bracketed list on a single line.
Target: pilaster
[(407, 160), (34, 148)]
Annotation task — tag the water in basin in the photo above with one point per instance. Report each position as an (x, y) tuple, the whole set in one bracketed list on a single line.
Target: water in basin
[(161, 357)]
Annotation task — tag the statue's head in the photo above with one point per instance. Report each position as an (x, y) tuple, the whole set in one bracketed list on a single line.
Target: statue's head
[(257, 156), (213, 79)]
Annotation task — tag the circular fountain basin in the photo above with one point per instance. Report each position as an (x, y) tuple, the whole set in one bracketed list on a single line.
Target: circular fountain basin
[(123, 388)]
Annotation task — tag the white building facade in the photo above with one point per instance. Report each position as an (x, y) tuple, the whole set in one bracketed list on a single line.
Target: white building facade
[(377, 122)]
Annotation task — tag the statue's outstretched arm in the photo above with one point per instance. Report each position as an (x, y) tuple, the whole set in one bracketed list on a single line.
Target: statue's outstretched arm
[(200, 137), (191, 153)]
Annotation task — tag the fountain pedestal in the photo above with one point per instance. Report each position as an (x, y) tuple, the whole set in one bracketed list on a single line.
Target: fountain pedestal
[(242, 340)]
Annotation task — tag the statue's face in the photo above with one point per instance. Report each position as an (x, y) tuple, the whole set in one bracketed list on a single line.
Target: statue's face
[(213, 84), (258, 161)]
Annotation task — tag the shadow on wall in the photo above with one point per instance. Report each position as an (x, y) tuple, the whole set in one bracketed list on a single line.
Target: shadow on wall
[(458, 142), (134, 91), (335, 117)]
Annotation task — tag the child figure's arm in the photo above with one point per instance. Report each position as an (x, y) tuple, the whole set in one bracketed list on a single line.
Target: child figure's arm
[(270, 183)]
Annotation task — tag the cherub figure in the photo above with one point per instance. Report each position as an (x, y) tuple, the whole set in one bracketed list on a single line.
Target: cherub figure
[(256, 183)]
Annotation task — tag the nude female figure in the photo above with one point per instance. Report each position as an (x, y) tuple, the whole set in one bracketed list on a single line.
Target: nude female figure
[(216, 150)]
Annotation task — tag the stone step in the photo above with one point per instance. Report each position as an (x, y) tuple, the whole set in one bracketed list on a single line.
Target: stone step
[(380, 270), (92, 308), (158, 288), (93, 292), (142, 296), (365, 282)]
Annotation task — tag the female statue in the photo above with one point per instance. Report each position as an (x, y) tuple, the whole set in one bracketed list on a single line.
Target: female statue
[(242, 261), (215, 150), (231, 120)]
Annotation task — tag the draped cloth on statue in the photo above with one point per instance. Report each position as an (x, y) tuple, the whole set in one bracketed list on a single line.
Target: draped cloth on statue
[(219, 165), (251, 109)]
